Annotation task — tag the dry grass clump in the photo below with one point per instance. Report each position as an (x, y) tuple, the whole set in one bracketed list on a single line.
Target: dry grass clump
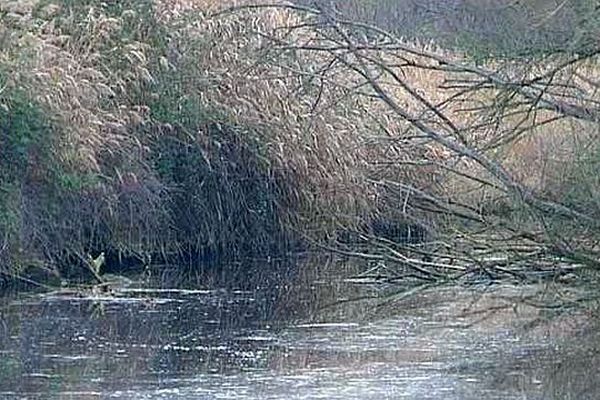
[(318, 120), (177, 141), (63, 61), (319, 149)]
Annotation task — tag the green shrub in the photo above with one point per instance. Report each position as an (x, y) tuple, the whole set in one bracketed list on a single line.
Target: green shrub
[(25, 135)]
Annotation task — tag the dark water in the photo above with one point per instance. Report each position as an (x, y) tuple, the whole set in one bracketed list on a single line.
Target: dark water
[(300, 340)]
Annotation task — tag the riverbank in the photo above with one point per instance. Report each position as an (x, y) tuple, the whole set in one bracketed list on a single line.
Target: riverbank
[(159, 132)]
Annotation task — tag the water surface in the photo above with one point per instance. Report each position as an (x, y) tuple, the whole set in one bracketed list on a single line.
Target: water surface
[(305, 339)]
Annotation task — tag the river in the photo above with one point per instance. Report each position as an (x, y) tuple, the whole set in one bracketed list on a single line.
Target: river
[(310, 334)]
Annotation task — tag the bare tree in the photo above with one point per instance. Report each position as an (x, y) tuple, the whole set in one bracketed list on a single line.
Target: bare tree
[(448, 145)]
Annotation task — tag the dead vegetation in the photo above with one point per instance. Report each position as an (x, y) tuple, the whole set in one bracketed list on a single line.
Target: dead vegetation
[(487, 152), (190, 128)]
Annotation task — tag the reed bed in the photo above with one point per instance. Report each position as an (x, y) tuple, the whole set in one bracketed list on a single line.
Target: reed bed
[(185, 129)]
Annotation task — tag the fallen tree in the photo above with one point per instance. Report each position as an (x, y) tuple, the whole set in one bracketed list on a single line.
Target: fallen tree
[(453, 140)]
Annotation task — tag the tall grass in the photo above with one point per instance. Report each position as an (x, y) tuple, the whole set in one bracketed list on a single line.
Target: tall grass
[(138, 132), (157, 128)]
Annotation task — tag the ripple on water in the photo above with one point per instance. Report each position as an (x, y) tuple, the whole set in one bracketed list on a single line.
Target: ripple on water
[(223, 344)]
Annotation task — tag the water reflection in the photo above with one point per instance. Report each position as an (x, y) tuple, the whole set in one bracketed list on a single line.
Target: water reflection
[(300, 339)]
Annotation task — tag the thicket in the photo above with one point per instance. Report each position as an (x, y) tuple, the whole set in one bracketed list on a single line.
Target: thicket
[(107, 145), (182, 129), (131, 128), (495, 152)]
